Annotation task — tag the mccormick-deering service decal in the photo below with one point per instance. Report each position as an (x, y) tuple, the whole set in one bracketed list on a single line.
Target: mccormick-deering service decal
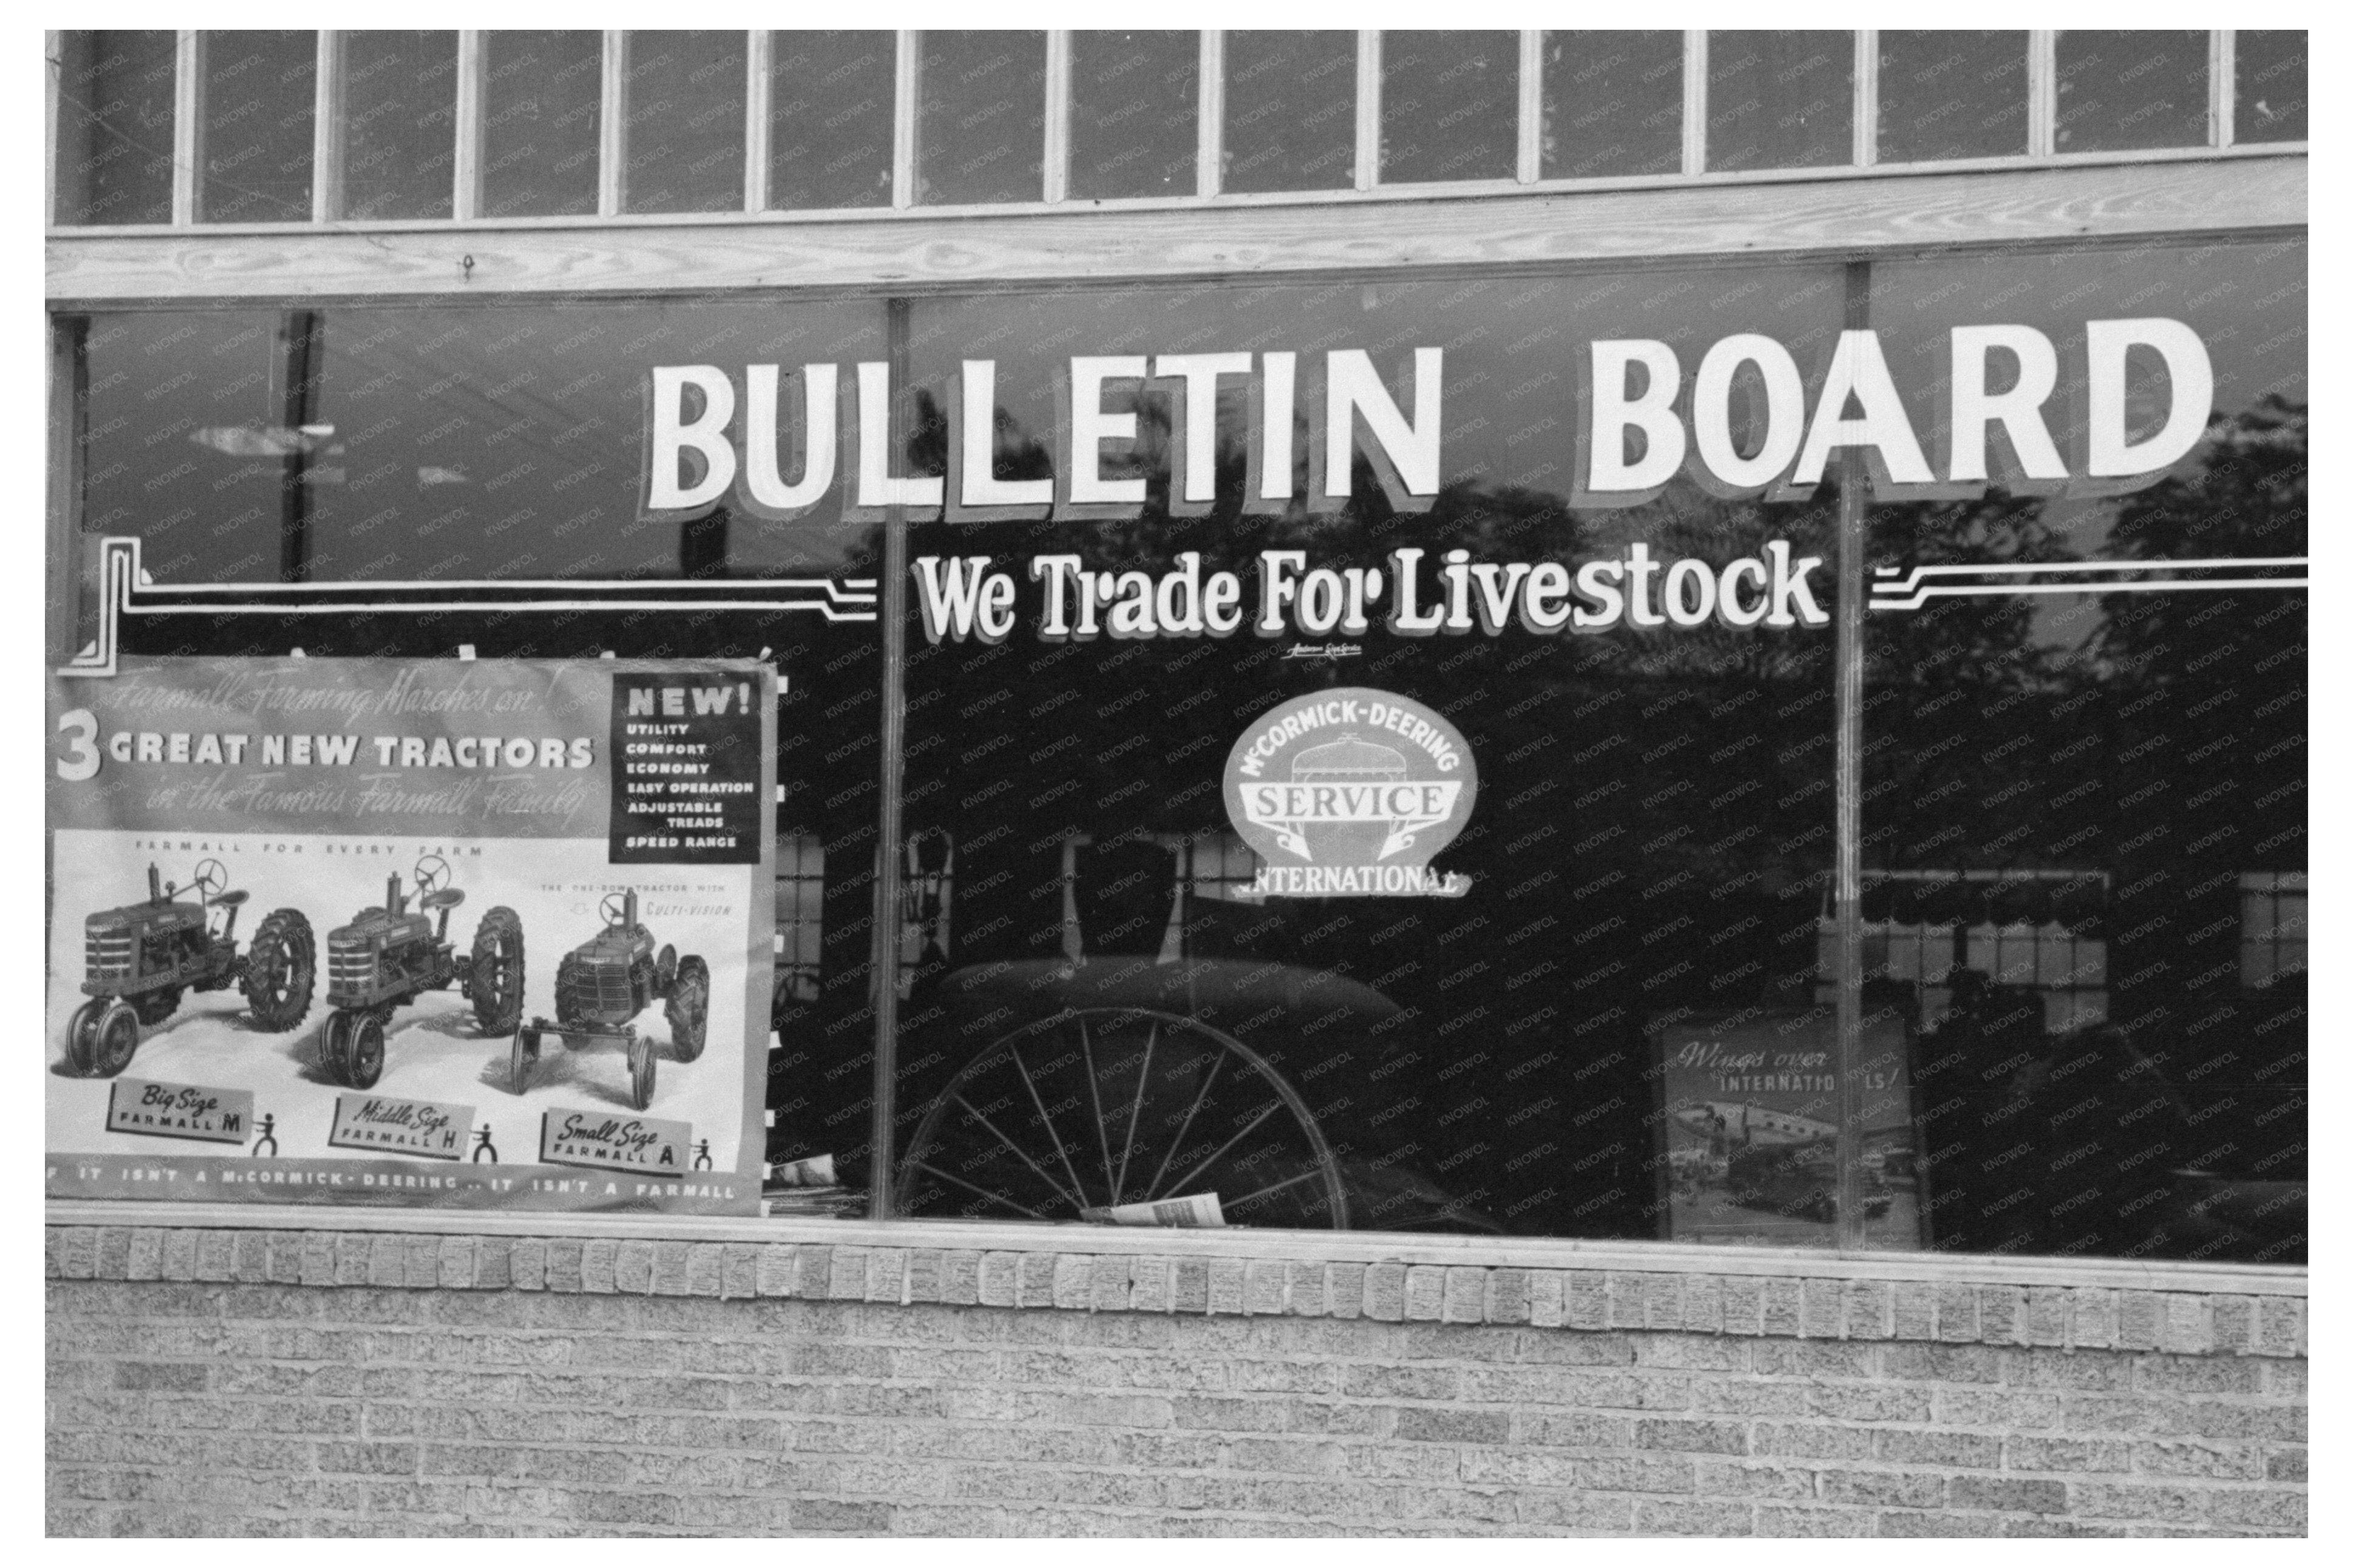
[(1349, 792), (465, 934)]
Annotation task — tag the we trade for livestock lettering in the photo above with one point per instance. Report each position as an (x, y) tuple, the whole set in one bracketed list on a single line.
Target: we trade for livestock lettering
[(961, 598), (1740, 425)]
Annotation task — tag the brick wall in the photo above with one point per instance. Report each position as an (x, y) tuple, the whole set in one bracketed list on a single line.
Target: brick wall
[(288, 1382)]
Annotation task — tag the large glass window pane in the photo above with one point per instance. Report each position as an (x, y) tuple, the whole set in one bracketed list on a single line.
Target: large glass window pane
[(541, 104), (1951, 95), (114, 127), (2084, 786), (1291, 111), (1645, 857), (1613, 104), (684, 118), (829, 106), (1135, 113), (981, 118), (399, 128), (1450, 106), (2270, 90), (2119, 91), (1779, 99), (254, 140)]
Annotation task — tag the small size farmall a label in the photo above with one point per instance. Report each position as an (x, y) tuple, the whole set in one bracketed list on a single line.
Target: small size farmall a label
[(1349, 792), (387, 1126), (614, 1141), (180, 1110)]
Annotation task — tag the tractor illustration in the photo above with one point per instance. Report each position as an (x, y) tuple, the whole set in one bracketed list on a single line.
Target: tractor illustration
[(138, 960), (608, 981), (388, 956)]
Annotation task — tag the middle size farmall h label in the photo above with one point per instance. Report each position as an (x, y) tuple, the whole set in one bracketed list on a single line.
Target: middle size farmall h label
[(1349, 792)]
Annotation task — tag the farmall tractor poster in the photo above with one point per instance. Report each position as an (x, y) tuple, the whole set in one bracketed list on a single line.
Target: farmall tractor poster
[(455, 932)]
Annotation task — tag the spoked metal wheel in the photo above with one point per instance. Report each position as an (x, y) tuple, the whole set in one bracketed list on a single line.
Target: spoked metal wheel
[(1100, 1107)]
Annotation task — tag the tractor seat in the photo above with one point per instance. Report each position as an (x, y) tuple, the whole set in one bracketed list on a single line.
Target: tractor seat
[(230, 901), (442, 899)]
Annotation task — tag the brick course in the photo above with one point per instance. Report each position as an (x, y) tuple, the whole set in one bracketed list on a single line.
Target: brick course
[(289, 1382)]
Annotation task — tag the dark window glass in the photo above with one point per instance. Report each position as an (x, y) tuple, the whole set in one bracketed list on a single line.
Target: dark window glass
[(1613, 104), (830, 114), (1951, 95), (254, 144), (1135, 111), (1450, 106), (2119, 91), (1291, 111), (2085, 813), (981, 118), (2270, 89), (1653, 819), (683, 123), (539, 109), (399, 129), (114, 127), (1779, 99)]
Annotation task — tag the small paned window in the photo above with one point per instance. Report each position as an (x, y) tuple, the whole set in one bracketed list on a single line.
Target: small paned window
[(1450, 106), (829, 102), (2271, 922), (683, 123), (399, 126), (800, 914), (2269, 91), (114, 127), (261, 103), (1291, 111), (1951, 95), (1613, 104), (1135, 113), (541, 106), (1779, 99), (2122, 91), (981, 118)]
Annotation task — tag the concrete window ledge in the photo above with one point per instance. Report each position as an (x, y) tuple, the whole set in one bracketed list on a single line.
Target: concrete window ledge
[(2063, 1303)]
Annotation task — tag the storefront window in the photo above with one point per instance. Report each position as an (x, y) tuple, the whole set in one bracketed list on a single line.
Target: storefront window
[(2126, 89), (541, 101), (114, 127), (1450, 106), (1290, 110), (260, 102), (1613, 104), (2084, 821), (1951, 95), (399, 124), (1779, 99), (683, 123), (1135, 113), (829, 99), (980, 118)]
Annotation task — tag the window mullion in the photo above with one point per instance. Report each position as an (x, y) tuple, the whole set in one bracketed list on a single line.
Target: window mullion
[(327, 131), (758, 54), (1694, 102), (2221, 87), (1368, 109), (1866, 97), (466, 186), (187, 119), (1531, 139), (1056, 154), (612, 142), (909, 85), (2042, 94), (1209, 155)]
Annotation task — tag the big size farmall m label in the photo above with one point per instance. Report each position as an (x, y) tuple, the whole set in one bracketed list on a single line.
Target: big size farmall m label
[(1349, 792)]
